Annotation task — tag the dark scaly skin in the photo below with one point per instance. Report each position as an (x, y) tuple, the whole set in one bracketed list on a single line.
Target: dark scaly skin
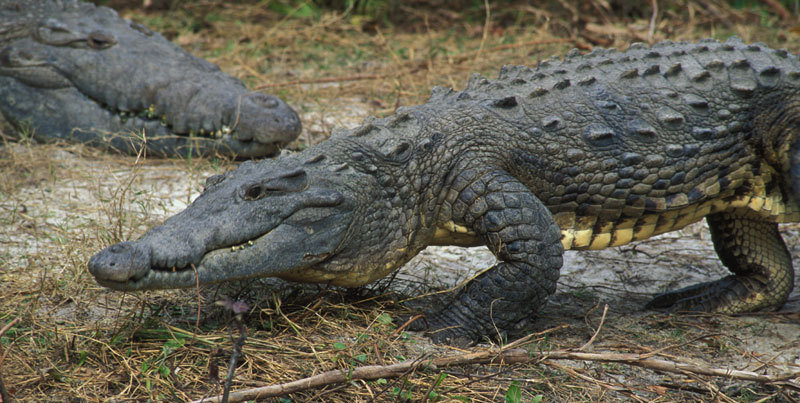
[(589, 152), (75, 72), (515, 225), (755, 252)]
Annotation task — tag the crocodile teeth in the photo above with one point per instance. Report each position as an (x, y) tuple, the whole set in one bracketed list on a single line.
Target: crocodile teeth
[(241, 246)]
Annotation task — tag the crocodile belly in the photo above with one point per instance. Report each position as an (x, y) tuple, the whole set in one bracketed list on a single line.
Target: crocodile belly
[(583, 232)]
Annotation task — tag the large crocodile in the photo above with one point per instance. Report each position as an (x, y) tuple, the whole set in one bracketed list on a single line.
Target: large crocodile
[(587, 152), (72, 71)]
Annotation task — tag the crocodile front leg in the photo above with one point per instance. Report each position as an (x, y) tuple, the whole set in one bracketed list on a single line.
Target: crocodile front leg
[(755, 252), (520, 231)]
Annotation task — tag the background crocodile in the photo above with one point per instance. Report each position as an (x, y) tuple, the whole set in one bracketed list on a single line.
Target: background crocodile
[(72, 71), (585, 153)]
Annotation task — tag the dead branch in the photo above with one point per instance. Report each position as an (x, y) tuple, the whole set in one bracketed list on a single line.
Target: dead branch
[(502, 356), (5, 397), (597, 331), (676, 367), (8, 326), (779, 9), (652, 30)]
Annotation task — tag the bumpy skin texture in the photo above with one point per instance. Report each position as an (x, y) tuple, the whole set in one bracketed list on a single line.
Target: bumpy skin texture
[(582, 153), (72, 71)]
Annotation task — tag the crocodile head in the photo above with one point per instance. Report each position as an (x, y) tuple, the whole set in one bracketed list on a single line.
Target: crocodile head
[(75, 71), (295, 217)]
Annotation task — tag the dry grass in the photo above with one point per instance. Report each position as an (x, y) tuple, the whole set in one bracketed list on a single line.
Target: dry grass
[(76, 341)]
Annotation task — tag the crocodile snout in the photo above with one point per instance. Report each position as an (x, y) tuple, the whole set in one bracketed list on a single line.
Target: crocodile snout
[(120, 263), (267, 118)]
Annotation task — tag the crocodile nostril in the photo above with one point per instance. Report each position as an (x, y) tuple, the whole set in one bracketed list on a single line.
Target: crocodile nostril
[(125, 261)]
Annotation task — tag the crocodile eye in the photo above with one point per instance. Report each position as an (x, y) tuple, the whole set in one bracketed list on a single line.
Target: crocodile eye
[(99, 40), (253, 192), (401, 152)]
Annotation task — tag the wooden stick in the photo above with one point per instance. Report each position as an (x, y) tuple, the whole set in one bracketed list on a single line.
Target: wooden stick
[(779, 9), (671, 366), (3, 331), (596, 332), (501, 356), (5, 397), (8, 326)]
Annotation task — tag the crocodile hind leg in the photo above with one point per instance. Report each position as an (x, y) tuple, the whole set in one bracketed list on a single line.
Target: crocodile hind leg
[(521, 232), (755, 252)]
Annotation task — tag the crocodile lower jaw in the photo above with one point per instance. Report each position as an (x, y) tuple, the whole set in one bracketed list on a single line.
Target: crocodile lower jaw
[(150, 115)]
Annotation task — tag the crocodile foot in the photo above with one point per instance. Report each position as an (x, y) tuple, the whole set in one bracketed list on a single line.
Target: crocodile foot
[(731, 294)]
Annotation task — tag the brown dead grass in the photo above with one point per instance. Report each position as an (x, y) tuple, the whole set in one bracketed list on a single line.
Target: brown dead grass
[(59, 204)]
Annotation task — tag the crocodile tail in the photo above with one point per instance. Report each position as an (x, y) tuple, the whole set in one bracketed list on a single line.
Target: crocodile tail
[(792, 139), (794, 169)]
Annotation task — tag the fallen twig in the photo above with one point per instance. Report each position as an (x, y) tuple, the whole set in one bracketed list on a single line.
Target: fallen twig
[(8, 326), (652, 30), (368, 372), (779, 9), (5, 397), (597, 331), (672, 366), (237, 351), (502, 356)]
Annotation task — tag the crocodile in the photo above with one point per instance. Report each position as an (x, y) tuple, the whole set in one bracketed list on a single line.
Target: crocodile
[(585, 152), (73, 71)]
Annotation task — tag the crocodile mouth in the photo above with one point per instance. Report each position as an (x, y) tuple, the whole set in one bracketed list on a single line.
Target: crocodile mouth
[(188, 274), (183, 276), (151, 115), (298, 234), (192, 266)]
